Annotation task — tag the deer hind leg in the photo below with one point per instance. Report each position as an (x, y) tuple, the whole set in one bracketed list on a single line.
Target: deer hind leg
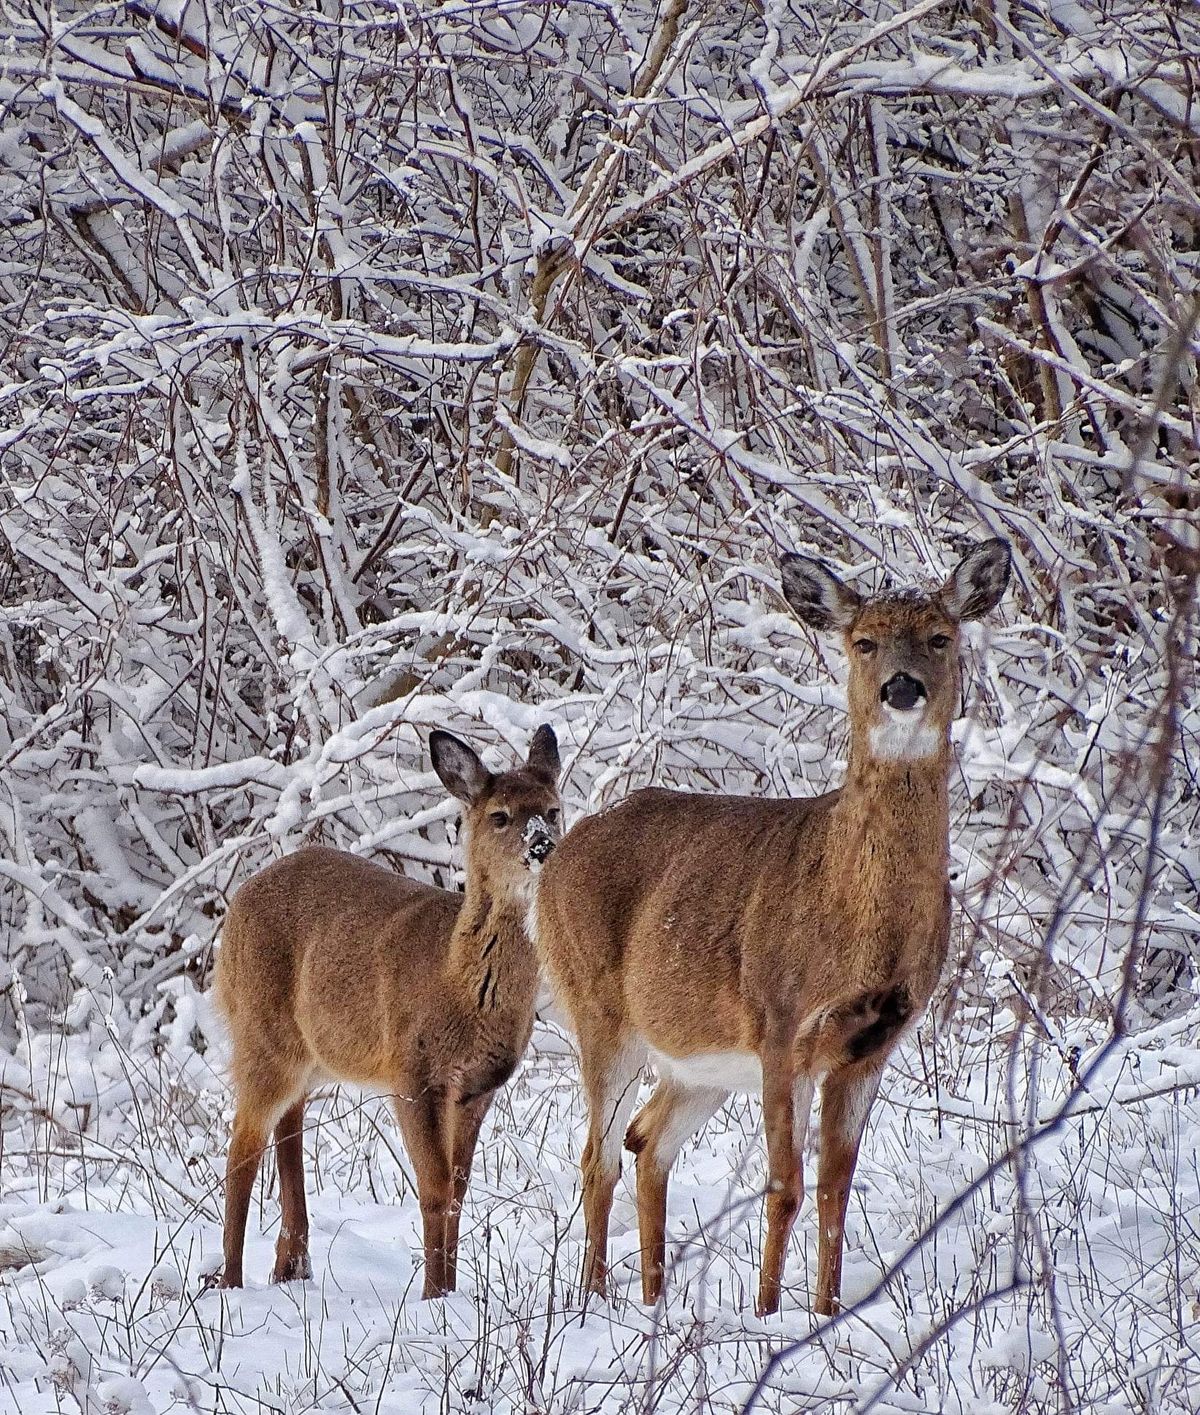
[(468, 1118), (424, 1122), (291, 1250), (260, 1103), (846, 1100), (672, 1116), (611, 1070)]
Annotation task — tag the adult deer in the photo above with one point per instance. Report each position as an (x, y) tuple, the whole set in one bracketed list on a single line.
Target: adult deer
[(747, 945), (334, 968)]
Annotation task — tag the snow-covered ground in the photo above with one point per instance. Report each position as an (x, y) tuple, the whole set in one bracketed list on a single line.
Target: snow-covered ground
[(1065, 1282)]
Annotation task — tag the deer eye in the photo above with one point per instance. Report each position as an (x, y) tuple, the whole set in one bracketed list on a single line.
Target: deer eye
[(553, 815), (499, 819), (865, 646), (939, 641)]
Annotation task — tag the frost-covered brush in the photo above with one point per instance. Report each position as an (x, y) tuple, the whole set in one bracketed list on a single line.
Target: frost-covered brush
[(747, 945), (334, 968)]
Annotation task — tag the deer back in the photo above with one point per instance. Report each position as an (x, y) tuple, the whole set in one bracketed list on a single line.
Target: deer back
[(328, 954)]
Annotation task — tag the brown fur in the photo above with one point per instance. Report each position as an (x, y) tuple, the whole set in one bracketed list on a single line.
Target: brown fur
[(803, 933), (334, 968)]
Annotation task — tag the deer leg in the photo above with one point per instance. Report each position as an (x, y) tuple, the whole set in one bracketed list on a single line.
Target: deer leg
[(671, 1116), (783, 1166), (291, 1250), (252, 1124), (611, 1072), (423, 1121), (246, 1146), (846, 1100), (468, 1117)]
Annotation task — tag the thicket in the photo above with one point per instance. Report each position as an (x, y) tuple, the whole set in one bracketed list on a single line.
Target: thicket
[(370, 366)]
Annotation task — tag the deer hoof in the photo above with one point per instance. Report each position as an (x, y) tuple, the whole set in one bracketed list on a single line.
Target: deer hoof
[(293, 1268)]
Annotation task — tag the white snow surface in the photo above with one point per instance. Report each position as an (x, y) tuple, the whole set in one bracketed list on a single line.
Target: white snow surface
[(1085, 1284)]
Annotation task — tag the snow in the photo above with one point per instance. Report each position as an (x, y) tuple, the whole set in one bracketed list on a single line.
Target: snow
[(108, 1238)]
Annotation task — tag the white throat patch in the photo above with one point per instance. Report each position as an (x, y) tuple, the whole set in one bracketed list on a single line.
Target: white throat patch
[(904, 736)]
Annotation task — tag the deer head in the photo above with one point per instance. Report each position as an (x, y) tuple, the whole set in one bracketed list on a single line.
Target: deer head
[(903, 648), (513, 819)]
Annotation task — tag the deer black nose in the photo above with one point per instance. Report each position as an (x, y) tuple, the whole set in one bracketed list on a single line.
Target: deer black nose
[(539, 849), (538, 841), (902, 692)]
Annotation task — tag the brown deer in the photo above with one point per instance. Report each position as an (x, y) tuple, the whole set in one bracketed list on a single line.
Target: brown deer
[(744, 944), (332, 968)]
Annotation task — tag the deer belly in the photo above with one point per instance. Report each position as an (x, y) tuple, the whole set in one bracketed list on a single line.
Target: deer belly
[(711, 1070)]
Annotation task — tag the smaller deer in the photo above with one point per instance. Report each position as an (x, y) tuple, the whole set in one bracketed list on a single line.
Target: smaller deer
[(758, 945), (332, 968)]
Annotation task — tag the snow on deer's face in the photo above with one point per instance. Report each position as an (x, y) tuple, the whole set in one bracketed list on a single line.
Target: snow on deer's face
[(514, 819)]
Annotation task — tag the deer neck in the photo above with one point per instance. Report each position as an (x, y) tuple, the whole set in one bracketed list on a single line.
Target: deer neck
[(491, 956), (902, 803)]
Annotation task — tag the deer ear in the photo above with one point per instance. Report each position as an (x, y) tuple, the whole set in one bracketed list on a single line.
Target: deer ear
[(977, 583), (817, 597), (543, 753), (461, 771)]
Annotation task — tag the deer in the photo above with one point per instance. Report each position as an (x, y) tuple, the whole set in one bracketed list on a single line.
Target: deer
[(768, 946), (333, 968)]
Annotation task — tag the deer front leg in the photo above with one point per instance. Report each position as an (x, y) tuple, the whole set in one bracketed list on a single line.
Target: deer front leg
[(423, 1123), (783, 1164), (846, 1100), (468, 1118)]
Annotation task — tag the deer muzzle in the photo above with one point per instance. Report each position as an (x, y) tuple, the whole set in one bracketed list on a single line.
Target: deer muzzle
[(903, 692), (538, 840)]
